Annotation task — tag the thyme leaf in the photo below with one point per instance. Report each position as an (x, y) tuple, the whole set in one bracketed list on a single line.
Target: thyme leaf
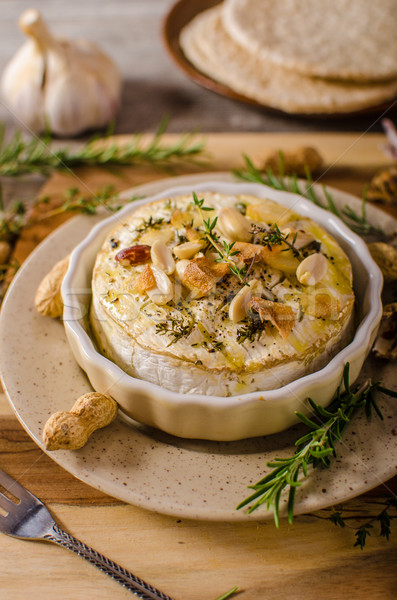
[(75, 201), (224, 250), (176, 329), (362, 525), (150, 223), (251, 331), (272, 236), (316, 448)]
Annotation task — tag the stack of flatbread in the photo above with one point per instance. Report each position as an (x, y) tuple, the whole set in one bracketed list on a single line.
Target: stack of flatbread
[(299, 56)]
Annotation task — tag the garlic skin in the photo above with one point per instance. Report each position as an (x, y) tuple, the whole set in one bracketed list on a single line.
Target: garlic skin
[(66, 86)]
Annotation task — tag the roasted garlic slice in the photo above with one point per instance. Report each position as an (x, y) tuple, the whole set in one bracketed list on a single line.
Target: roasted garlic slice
[(280, 315)]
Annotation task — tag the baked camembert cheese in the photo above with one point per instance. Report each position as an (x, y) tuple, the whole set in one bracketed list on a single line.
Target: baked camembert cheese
[(220, 295)]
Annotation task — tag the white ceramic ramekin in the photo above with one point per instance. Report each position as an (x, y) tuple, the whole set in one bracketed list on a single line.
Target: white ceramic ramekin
[(213, 417)]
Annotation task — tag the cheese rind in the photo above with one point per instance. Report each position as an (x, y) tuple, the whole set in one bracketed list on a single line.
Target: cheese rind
[(190, 345)]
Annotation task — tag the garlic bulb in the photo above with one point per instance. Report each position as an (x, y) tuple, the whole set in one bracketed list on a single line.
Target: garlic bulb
[(68, 86)]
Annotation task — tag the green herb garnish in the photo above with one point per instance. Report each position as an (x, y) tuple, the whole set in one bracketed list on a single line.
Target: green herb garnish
[(75, 201), (357, 222), (224, 249), (20, 157), (251, 331), (175, 328), (150, 223), (317, 447), (228, 594), (272, 236), (380, 522)]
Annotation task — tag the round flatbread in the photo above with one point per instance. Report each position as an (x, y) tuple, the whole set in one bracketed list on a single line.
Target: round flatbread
[(343, 39), (207, 45)]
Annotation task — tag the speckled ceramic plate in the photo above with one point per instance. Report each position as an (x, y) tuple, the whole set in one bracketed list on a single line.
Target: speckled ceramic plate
[(148, 468)]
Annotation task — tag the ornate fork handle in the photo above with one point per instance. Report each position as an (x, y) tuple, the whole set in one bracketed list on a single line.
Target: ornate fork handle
[(143, 590)]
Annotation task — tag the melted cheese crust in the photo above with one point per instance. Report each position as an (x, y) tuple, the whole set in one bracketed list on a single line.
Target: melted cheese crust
[(190, 345)]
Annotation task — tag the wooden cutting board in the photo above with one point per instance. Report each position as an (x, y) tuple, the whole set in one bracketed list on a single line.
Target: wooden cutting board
[(187, 559), (350, 160)]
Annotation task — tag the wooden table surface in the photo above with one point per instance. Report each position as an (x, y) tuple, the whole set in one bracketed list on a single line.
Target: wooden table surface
[(190, 559)]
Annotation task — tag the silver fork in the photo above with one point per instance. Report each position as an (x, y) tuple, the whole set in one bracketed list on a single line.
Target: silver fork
[(29, 519)]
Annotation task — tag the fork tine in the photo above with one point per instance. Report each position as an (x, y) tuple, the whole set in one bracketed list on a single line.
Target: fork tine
[(14, 487), (6, 504)]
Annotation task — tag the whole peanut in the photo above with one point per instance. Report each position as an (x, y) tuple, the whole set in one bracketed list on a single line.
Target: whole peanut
[(71, 430)]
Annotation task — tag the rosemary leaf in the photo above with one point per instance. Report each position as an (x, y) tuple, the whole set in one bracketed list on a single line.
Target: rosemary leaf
[(228, 594), (356, 222), (315, 449), (21, 157)]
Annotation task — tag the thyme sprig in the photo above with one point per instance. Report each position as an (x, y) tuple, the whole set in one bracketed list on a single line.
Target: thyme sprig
[(176, 329), (20, 157), (150, 223), (273, 236), (12, 220), (357, 222), (224, 249), (383, 519), (317, 447), (251, 331), (75, 201)]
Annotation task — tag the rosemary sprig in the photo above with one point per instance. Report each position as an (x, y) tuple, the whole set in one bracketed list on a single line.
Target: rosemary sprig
[(21, 157), (315, 448), (225, 250), (358, 222)]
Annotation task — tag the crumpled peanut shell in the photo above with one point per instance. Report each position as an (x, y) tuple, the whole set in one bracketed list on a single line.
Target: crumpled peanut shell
[(385, 257), (48, 300), (383, 187), (386, 341), (295, 162)]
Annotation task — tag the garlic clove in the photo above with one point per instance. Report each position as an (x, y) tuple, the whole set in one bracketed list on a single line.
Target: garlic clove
[(162, 257), (164, 290), (165, 235), (299, 238), (312, 269), (188, 249), (234, 225), (66, 85), (238, 306), (180, 268), (69, 115)]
